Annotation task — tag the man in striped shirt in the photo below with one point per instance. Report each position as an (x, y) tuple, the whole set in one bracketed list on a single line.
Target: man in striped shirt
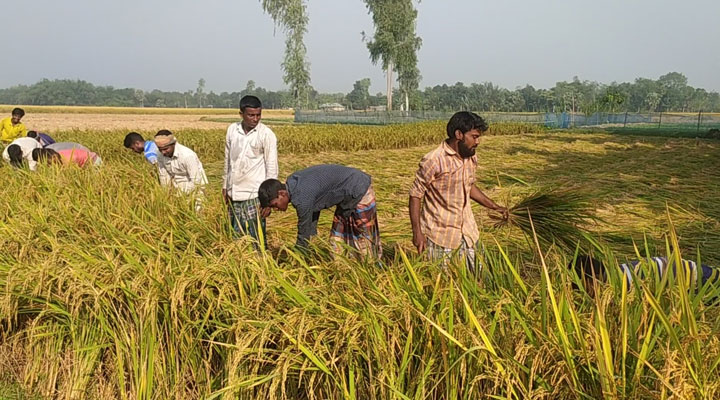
[(590, 269), (445, 181)]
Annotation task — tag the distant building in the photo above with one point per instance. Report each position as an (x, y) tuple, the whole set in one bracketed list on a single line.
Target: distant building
[(377, 108), (332, 107)]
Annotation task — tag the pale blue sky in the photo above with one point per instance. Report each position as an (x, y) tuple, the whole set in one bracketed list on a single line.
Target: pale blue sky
[(170, 44)]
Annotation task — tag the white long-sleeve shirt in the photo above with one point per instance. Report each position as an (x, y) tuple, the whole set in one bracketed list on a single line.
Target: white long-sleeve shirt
[(183, 170), (27, 145), (250, 159)]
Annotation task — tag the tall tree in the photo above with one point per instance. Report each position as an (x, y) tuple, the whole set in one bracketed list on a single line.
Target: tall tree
[(395, 43), (140, 97), (359, 98), (291, 16), (200, 92)]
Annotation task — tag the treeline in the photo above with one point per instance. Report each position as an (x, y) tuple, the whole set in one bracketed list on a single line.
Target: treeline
[(670, 92)]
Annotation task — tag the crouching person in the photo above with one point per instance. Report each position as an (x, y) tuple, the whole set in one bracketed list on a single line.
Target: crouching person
[(319, 187), (19, 151), (592, 271), (67, 153), (180, 168)]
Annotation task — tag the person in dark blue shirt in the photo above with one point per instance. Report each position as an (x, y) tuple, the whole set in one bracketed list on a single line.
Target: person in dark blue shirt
[(316, 188), (43, 138)]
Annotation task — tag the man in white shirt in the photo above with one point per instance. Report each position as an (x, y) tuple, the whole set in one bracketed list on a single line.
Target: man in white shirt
[(179, 167), (250, 159), (20, 150)]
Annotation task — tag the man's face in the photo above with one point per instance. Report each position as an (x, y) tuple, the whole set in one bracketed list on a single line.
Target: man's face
[(251, 117), (468, 142), (168, 150), (281, 202), (137, 147), (15, 119)]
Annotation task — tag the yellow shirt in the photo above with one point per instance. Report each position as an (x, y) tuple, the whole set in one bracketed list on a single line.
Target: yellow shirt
[(10, 132)]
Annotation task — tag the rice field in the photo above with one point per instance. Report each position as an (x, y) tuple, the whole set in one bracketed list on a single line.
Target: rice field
[(110, 287)]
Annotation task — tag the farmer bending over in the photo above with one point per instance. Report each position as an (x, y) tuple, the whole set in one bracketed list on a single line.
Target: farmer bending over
[(323, 186), (445, 181), (19, 151), (73, 156), (135, 142), (179, 167), (592, 270), (43, 138)]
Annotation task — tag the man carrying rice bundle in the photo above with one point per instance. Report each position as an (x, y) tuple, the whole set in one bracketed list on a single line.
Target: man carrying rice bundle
[(440, 212)]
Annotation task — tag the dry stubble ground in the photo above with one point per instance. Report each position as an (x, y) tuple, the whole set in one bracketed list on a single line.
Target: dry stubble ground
[(52, 122)]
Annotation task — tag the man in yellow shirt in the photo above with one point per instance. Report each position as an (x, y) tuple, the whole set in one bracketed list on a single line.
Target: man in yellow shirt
[(11, 128)]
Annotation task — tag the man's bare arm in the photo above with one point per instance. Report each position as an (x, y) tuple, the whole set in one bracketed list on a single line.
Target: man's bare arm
[(418, 236), (480, 197)]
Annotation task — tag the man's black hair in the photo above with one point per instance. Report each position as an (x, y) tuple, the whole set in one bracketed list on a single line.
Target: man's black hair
[(16, 155), (465, 121), (249, 101), (163, 132), (32, 134), (588, 268), (131, 138), (18, 111), (269, 191)]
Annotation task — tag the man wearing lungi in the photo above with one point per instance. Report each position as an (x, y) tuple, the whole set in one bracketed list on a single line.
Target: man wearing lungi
[(440, 213), (323, 186)]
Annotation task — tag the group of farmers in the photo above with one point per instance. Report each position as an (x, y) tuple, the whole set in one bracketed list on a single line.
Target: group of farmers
[(440, 197), (22, 146), (444, 183), (440, 210)]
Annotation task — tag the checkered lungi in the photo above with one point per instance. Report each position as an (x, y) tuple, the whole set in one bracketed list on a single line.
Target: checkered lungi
[(246, 220), (466, 251), (360, 229)]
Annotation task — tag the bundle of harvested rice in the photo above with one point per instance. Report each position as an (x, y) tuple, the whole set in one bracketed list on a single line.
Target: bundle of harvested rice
[(559, 216)]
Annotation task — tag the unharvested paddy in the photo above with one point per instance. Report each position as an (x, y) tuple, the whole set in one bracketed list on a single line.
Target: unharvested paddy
[(111, 288)]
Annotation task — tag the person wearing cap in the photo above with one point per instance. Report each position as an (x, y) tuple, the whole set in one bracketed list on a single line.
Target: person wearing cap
[(179, 167), (250, 159), (11, 128), (43, 138), (19, 151)]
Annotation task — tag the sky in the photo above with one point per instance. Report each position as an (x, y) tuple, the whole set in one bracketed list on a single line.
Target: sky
[(171, 44)]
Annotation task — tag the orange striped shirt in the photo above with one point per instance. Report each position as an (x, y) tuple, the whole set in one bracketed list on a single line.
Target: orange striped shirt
[(444, 180)]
